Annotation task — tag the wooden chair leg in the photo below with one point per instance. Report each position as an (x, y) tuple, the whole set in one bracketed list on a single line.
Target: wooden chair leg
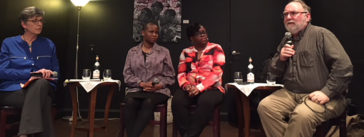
[(121, 133), (163, 121), (216, 122), (54, 113), (3, 119), (174, 129), (342, 125)]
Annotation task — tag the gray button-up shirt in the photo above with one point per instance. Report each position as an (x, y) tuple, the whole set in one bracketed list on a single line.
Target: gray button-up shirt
[(158, 64), (320, 63)]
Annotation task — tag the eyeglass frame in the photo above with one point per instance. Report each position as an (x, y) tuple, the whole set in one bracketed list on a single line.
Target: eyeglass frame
[(200, 33), (35, 21), (292, 14), (315, 111)]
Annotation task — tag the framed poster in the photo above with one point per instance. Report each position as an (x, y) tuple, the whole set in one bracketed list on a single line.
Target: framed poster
[(166, 13)]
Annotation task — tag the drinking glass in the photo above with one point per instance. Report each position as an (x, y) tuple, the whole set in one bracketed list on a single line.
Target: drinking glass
[(86, 74), (107, 74), (270, 79), (238, 77)]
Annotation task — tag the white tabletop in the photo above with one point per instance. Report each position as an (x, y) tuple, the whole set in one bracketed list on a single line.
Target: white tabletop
[(247, 89), (88, 85)]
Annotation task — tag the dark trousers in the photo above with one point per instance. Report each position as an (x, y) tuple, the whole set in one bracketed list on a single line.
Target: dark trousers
[(139, 110), (35, 101), (192, 124)]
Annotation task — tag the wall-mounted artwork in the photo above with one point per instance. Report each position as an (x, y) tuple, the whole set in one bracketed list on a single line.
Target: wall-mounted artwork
[(166, 13)]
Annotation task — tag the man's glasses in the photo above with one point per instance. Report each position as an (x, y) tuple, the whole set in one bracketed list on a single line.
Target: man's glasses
[(292, 14), (312, 104), (36, 21)]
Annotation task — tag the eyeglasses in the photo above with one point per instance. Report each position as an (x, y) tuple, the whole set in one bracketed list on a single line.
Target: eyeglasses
[(292, 14), (313, 103), (200, 33), (36, 21)]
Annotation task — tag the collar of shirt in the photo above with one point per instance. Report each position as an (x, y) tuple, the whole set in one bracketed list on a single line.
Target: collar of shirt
[(155, 48), (208, 45), (24, 45), (23, 42), (302, 33)]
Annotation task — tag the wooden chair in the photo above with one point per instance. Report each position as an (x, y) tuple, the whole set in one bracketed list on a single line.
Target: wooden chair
[(162, 108), (6, 111), (340, 122), (215, 122)]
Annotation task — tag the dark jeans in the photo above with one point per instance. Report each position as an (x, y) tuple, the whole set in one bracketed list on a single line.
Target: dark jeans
[(192, 124), (139, 110), (36, 102)]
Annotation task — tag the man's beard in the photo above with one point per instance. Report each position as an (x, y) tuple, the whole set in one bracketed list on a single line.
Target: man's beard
[(294, 29)]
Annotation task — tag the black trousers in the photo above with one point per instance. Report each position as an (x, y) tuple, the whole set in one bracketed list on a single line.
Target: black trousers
[(139, 110), (192, 124), (36, 102)]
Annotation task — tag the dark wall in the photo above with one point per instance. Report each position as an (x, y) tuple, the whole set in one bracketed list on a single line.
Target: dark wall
[(254, 28), (346, 22)]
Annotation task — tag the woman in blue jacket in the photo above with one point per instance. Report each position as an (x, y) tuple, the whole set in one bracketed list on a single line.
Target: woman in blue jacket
[(28, 64)]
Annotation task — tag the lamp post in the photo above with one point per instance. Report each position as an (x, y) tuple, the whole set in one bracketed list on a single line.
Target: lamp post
[(79, 4)]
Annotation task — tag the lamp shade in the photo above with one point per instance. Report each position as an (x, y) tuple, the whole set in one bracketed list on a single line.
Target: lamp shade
[(80, 3)]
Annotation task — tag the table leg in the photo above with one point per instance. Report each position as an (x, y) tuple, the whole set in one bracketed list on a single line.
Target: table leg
[(246, 109), (239, 107), (73, 92), (92, 113), (107, 106)]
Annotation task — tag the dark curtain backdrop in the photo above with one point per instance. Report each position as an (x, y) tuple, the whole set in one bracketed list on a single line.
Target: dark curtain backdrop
[(254, 28)]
